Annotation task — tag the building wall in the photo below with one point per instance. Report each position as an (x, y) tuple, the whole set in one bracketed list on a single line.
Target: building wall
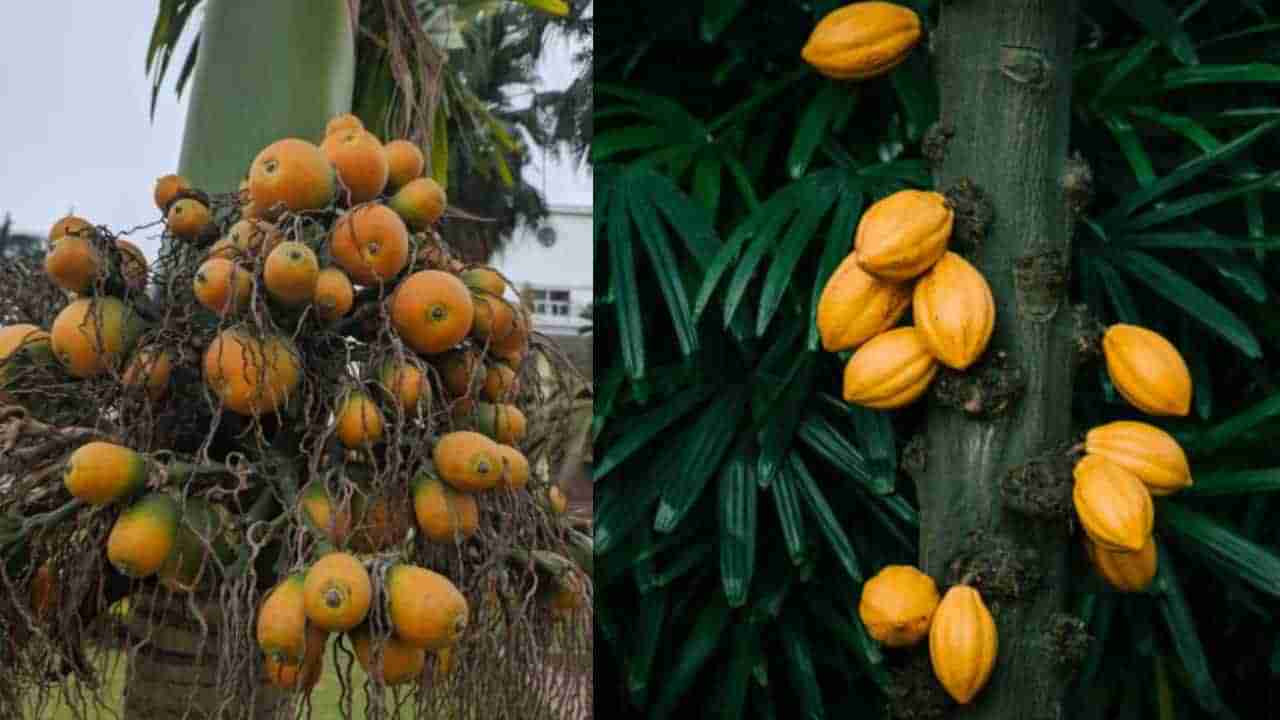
[(564, 268)]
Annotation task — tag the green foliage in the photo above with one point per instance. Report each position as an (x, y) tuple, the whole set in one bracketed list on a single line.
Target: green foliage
[(741, 503)]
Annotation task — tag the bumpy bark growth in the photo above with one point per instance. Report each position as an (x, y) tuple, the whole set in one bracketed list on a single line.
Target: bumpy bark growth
[(1004, 74)]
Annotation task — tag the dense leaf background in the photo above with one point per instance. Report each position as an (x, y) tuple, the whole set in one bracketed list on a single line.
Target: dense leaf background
[(741, 503)]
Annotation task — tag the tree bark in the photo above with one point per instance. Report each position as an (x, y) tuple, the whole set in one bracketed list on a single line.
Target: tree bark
[(174, 669), (1004, 70)]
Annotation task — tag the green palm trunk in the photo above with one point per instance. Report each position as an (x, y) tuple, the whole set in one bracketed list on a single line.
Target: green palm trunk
[(265, 71)]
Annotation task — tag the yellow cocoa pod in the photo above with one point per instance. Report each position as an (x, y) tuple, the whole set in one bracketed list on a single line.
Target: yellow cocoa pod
[(897, 605), (1113, 505), (903, 235), (855, 306), (1147, 370), (1144, 450), (962, 643), (1126, 572), (892, 370), (953, 309), (862, 40)]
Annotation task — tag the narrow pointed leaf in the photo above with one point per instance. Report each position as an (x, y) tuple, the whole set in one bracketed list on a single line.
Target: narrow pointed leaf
[(738, 501), (642, 430), (787, 254), (1157, 18), (1185, 638), (827, 521), (811, 130), (1229, 552), (1235, 482), (711, 437), (716, 16), (786, 500), (653, 237), (1186, 295), (622, 273), (648, 634), (777, 213), (1187, 172), (802, 673), (701, 641), (820, 435)]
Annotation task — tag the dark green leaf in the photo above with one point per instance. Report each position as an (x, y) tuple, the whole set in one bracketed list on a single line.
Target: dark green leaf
[(712, 435), (690, 557), (702, 640), (622, 273), (1220, 435), (1265, 73), (626, 139), (786, 500), (818, 433), (827, 521), (776, 437), (647, 633), (716, 16), (776, 214), (1186, 295), (1121, 300), (1242, 274), (653, 238), (642, 430), (851, 632), (745, 654), (706, 180), (1127, 138), (1234, 482), (1185, 173), (1185, 638), (914, 84), (1195, 203), (1230, 553), (787, 254), (725, 257), (811, 130), (799, 663), (738, 500), (691, 222), (1161, 21)]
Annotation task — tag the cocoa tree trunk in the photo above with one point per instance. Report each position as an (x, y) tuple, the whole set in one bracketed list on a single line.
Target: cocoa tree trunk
[(1004, 70)]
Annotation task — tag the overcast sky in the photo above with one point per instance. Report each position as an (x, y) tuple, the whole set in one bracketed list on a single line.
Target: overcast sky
[(75, 118)]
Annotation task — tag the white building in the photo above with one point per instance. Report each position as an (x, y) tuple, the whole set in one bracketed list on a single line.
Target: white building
[(552, 266)]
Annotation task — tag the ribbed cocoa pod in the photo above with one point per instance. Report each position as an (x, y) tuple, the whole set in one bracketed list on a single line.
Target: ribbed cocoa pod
[(862, 40), (897, 605), (1126, 572), (892, 370), (1147, 370), (1144, 450), (855, 306), (963, 643), (954, 311), (903, 235), (1113, 505)]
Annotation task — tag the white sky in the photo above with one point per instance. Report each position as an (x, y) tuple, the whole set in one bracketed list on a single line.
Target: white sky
[(75, 103)]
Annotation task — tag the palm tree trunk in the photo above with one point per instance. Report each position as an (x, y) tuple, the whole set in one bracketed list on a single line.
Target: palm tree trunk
[(173, 665), (265, 71), (1004, 70)]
